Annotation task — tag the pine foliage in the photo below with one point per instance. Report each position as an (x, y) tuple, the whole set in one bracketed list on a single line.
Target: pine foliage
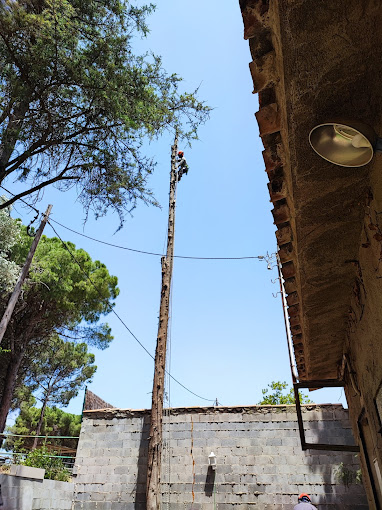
[(76, 102)]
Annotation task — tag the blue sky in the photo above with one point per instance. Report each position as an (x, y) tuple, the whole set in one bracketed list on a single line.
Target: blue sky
[(227, 332)]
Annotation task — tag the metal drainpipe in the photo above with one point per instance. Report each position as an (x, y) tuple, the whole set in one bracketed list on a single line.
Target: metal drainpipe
[(292, 360)]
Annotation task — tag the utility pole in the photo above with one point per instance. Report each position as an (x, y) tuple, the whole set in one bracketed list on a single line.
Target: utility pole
[(154, 461), (15, 294)]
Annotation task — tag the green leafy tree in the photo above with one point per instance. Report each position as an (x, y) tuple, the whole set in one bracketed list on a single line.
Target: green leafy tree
[(62, 296), (56, 422), (9, 236), (60, 372), (76, 103), (278, 393)]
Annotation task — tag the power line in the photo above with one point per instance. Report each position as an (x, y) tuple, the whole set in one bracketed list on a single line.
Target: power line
[(122, 321), (22, 200), (153, 253), (259, 257), (112, 310)]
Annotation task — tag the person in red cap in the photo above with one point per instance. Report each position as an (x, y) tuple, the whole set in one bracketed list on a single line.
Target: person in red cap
[(304, 503), (182, 165)]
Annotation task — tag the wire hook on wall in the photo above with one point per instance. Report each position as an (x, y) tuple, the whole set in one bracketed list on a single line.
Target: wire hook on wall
[(270, 259)]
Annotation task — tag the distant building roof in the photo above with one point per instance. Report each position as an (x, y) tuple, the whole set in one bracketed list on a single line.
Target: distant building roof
[(93, 401)]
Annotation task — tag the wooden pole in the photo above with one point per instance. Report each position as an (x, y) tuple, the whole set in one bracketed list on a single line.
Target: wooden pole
[(153, 484), (15, 294)]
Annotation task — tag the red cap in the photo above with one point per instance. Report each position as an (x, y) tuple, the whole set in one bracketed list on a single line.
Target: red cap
[(303, 495), (180, 153)]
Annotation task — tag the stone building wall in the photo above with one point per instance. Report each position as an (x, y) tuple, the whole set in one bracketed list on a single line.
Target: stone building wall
[(260, 463)]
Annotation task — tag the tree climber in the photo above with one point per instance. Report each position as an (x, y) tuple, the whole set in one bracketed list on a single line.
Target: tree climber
[(182, 165)]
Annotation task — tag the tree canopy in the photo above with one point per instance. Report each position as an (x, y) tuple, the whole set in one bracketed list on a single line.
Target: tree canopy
[(278, 393), (65, 288), (66, 293), (76, 103), (9, 236), (56, 422), (59, 373), (61, 370)]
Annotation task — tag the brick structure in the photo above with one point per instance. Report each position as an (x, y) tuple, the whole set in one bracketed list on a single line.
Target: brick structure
[(260, 463)]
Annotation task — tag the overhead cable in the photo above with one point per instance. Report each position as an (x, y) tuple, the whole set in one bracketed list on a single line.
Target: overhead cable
[(250, 257), (153, 253), (22, 200), (112, 310), (121, 320)]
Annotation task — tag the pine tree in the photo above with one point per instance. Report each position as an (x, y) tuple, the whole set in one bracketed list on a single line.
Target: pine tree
[(76, 102)]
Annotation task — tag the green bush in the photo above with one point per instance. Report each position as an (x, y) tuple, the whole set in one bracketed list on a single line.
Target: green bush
[(347, 476), (43, 458)]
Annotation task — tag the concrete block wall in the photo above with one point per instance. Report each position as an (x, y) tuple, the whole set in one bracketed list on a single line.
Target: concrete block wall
[(260, 463), (27, 494)]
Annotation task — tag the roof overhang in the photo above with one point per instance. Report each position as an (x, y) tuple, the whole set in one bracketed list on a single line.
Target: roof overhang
[(312, 62)]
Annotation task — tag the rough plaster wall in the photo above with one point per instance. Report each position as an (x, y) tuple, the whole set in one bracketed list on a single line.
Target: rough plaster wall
[(331, 70), (260, 461), (26, 494), (365, 319)]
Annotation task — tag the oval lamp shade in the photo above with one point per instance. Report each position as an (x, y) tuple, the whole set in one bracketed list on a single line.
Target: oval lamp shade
[(348, 143)]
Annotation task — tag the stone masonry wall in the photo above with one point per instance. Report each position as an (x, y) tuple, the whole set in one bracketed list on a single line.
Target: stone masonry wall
[(27, 494), (260, 463)]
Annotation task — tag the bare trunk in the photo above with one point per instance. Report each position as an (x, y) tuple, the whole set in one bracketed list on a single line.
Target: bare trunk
[(39, 425), (11, 135), (9, 387), (153, 486)]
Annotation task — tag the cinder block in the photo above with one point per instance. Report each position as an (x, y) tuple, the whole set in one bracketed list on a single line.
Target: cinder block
[(248, 447), (27, 472), (66, 504)]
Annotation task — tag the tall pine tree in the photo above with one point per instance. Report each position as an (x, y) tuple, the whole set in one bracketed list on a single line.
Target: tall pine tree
[(76, 102)]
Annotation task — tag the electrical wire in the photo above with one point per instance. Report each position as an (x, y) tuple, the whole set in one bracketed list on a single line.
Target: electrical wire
[(113, 311), (259, 257), (153, 253), (22, 200), (121, 320)]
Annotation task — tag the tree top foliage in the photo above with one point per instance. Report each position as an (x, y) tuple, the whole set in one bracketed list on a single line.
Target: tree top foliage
[(76, 103), (82, 287), (61, 370), (278, 393), (9, 236), (61, 295), (56, 423)]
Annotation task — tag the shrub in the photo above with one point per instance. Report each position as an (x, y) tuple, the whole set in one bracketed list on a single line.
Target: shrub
[(53, 465)]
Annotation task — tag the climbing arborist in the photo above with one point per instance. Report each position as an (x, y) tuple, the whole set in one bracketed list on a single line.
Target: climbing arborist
[(304, 503), (182, 165)]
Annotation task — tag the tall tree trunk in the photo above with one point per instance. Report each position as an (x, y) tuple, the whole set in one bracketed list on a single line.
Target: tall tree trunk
[(39, 425), (154, 459), (9, 387), (11, 135)]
